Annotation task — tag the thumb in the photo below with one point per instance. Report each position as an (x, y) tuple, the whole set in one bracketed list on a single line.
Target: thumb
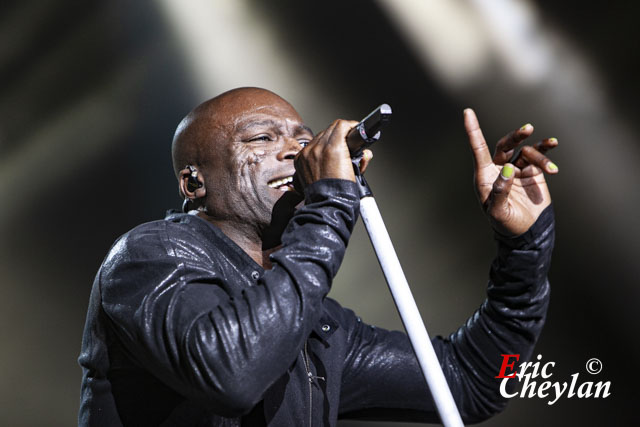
[(499, 207), (367, 155)]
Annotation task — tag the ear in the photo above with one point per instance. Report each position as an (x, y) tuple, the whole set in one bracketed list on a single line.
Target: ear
[(191, 183)]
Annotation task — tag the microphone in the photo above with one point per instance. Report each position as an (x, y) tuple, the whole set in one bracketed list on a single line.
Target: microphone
[(358, 138), (367, 131)]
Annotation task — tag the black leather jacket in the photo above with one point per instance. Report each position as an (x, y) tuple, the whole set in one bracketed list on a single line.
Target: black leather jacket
[(185, 329)]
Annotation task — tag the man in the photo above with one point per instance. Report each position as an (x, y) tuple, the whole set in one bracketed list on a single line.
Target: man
[(220, 316)]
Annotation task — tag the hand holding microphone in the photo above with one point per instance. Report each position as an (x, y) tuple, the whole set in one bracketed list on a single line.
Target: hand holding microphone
[(334, 152)]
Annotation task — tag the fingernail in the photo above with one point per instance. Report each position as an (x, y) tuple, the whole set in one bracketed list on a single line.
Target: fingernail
[(553, 139), (552, 166), (525, 126), (507, 171), (368, 155)]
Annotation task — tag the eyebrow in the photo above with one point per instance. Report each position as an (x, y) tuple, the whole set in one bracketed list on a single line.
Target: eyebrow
[(272, 123), (304, 128)]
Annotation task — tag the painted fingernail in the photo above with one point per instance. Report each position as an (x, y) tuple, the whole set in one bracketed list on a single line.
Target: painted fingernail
[(553, 139), (507, 171), (552, 166), (368, 155), (525, 126)]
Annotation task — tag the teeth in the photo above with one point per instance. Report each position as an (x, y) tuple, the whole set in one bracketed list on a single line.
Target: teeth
[(281, 182)]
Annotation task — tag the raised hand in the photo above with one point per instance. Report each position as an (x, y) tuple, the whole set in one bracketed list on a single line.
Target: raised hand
[(512, 194)]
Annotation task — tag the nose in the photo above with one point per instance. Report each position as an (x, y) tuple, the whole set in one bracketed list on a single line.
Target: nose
[(290, 147)]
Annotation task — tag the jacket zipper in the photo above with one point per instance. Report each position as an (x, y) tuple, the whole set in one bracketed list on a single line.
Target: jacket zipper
[(311, 378)]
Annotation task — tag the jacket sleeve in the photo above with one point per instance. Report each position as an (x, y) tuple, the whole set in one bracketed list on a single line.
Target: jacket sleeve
[(382, 378), (168, 306)]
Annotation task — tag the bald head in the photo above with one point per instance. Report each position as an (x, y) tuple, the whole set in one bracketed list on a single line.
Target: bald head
[(211, 123)]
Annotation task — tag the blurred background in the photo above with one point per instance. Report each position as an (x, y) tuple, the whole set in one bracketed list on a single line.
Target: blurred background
[(91, 93)]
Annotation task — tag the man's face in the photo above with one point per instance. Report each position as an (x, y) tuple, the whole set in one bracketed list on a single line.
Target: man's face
[(253, 157)]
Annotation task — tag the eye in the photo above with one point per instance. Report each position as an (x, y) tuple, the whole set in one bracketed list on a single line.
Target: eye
[(260, 138), (303, 142)]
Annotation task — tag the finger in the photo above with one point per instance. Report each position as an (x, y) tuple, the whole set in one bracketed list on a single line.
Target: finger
[(536, 158), (478, 144), (546, 145), (335, 137), (506, 145), (367, 155), (323, 137), (499, 198), (331, 157), (317, 137), (341, 129)]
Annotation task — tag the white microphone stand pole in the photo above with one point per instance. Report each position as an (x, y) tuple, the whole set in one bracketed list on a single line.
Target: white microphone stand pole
[(398, 285)]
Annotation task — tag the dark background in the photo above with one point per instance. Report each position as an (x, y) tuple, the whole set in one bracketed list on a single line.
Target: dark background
[(91, 92)]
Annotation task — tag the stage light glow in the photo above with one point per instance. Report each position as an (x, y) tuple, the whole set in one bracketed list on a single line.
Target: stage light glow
[(444, 35), (229, 44)]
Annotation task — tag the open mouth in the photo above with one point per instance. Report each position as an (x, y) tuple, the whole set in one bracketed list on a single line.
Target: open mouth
[(282, 184)]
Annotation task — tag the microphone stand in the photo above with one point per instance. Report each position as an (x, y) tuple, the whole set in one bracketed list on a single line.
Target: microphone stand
[(359, 138)]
